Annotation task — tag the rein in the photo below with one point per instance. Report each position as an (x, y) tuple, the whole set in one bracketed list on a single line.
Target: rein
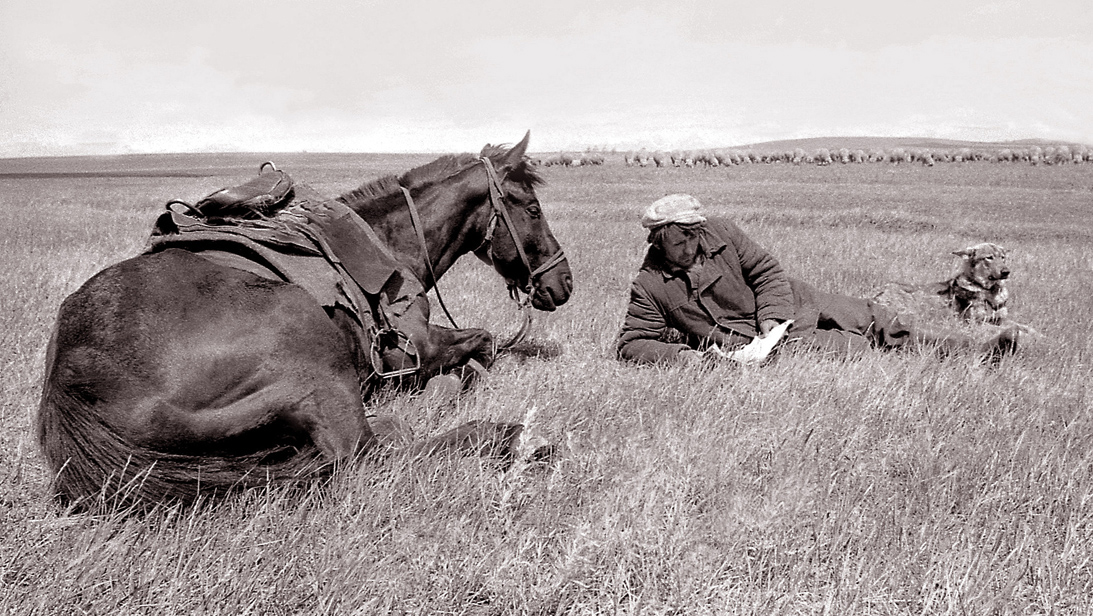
[(415, 221)]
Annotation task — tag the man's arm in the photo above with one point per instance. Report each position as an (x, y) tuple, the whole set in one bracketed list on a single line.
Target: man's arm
[(764, 274), (640, 338)]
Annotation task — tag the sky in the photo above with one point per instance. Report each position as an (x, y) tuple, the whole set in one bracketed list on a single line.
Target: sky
[(121, 76)]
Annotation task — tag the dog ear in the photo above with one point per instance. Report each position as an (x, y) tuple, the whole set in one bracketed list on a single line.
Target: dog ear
[(966, 253)]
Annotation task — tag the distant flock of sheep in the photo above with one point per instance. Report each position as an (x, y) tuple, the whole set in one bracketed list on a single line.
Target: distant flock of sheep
[(1035, 155), (566, 159)]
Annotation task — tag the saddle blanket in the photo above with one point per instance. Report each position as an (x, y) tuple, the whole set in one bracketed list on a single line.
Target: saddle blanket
[(320, 245)]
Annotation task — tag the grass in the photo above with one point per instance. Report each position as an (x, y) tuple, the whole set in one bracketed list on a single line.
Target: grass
[(892, 484)]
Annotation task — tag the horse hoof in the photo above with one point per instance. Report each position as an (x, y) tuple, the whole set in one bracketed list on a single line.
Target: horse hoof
[(535, 452), (442, 389), (543, 456)]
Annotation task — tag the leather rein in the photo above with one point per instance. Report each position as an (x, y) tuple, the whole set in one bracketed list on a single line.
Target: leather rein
[(497, 203)]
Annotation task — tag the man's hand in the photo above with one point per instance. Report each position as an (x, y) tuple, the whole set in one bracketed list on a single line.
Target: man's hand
[(766, 325)]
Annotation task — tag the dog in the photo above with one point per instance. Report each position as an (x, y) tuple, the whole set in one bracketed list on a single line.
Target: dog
[(977, 294)]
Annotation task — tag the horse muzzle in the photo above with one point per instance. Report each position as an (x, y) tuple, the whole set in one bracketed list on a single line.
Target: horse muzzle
[(553, 288)]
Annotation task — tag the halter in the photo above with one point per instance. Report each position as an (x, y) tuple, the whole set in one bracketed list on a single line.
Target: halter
[(497, 203), (497, 200)]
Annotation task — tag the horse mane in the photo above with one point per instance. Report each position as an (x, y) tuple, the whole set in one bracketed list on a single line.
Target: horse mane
[(523, 173), (437, 171)]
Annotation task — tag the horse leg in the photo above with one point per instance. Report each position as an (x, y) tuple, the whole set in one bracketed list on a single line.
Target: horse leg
[(477, 437), (506, 442), (466, 352), (441, 350), (392, 433)]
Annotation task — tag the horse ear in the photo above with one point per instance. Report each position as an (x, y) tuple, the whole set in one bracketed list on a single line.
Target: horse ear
[(516, 154)]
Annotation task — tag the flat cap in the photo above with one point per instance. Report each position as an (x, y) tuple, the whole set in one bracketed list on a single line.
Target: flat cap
[(679, 209)]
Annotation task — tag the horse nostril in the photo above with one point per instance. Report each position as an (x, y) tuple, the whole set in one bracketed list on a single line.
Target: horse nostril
[(567, 284)]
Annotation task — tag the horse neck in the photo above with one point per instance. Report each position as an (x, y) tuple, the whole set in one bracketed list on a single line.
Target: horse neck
[(453, 219)]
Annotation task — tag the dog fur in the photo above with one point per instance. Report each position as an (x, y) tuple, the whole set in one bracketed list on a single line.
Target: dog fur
[(977, 294)]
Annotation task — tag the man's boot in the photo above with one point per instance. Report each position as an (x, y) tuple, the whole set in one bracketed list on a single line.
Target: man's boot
[(1001, 345), (948, 342)]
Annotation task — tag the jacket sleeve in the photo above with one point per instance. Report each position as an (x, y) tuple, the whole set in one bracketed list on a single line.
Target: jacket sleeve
[(763, 273), (640, 339)]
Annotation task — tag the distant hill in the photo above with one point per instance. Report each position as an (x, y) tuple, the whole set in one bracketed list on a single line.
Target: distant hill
[(1040, 142)]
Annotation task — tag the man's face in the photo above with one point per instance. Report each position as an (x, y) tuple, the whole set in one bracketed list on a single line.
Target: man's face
[(680, 245)]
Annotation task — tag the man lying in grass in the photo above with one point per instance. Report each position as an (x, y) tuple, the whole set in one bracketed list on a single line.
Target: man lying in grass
[(705, 279)]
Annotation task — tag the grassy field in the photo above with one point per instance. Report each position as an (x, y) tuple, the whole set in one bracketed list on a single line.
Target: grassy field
[(891, 484)]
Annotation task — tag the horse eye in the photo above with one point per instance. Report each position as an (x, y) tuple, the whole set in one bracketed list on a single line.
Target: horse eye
[(534, 211)]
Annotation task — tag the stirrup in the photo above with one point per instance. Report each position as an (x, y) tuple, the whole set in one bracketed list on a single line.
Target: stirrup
[(402, 343)]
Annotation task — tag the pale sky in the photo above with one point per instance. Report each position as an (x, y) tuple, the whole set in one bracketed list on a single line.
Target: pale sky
[(115, 76)]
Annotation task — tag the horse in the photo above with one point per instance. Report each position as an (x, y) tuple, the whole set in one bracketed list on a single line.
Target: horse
[(169, 375)]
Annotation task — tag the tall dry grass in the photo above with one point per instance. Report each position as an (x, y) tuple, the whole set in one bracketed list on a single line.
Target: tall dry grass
[(891, 484)]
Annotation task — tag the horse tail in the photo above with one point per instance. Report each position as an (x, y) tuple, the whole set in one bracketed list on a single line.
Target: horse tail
[(94, 466)]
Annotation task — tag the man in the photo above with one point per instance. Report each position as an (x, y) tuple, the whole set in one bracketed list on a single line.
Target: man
[(705, 279)]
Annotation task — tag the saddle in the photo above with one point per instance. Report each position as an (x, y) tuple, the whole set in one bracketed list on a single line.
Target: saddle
[(260, 197), (321, 245)]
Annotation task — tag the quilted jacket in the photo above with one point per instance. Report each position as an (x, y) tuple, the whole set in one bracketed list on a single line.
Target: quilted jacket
[(735, 285)]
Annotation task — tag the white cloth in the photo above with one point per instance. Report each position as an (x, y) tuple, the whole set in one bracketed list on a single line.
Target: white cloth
[(756, 351)]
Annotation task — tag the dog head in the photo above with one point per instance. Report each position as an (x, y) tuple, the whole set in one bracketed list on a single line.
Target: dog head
[(985, 264)]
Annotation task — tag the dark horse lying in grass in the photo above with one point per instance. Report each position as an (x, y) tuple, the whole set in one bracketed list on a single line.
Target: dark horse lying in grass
[(169, 375)]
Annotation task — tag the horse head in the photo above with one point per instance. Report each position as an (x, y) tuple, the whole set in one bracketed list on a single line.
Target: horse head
[(518, 242), (484, 204)]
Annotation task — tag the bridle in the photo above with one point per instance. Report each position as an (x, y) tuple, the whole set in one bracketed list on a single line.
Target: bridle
[(497, 201), (498, 210)]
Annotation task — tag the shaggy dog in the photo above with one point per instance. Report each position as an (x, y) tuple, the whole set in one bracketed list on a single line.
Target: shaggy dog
[(977, 294)]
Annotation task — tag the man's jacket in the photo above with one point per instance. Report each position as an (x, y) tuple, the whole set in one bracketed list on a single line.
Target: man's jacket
[(721, 300)]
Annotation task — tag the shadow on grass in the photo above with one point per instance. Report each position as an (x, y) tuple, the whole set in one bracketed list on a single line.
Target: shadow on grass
[(534, 349)]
